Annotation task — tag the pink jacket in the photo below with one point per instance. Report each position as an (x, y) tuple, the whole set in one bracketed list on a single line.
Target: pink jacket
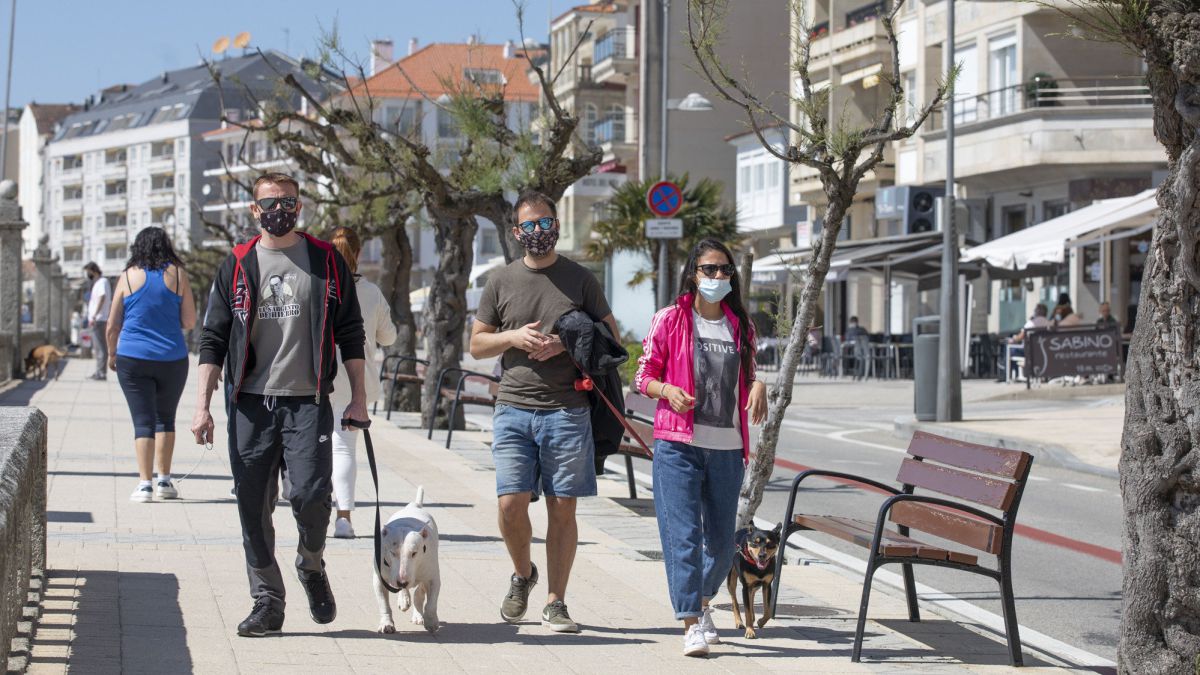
[(667, 355)]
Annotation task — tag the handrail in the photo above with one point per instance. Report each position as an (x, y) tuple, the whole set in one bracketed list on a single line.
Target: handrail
[(1046, 94)]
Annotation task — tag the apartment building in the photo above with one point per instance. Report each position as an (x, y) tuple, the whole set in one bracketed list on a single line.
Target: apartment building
[(408, 96), (38, 124), (134, 156), (1046, 123)]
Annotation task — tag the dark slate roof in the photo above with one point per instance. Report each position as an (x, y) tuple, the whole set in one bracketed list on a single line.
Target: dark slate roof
[(46, 115), (190, 93)]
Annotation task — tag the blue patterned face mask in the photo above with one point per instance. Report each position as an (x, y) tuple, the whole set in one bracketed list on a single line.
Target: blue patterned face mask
[(714, 290)]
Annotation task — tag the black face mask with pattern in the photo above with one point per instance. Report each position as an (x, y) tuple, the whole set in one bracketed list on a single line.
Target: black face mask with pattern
[(277, 221), (540, 242)]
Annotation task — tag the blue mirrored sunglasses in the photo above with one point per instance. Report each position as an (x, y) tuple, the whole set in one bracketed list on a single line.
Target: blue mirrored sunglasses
[(544, 223)]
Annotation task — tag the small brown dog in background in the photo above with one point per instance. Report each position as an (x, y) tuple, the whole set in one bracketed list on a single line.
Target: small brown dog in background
[(41, 360)]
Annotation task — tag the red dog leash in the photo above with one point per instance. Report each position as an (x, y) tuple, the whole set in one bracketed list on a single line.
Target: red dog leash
[(585, 383)]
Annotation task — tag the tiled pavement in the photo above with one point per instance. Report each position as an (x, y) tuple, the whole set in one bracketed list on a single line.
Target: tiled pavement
[(160, 587)]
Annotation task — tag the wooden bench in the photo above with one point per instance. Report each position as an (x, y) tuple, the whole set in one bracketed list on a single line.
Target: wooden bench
[(395, 377), (639, 413), (461, 396), (993, 478)]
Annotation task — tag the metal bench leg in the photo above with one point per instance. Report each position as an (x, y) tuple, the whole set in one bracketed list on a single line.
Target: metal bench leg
[(862, 611), (1011, 628), (788, 529), (910, 592), (629, 472), (454, 410)]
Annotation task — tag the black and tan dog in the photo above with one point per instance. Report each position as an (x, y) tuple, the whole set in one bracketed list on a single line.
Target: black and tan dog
[(42, 360), (754, 566)]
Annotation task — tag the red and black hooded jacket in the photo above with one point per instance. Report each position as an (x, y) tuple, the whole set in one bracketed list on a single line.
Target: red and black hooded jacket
[(335, 315)]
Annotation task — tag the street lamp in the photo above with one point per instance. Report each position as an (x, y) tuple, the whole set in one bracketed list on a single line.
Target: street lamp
[(949, 390)]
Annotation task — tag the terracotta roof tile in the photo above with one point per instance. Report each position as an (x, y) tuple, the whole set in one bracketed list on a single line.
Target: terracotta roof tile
[(428, 67), (594, 8)]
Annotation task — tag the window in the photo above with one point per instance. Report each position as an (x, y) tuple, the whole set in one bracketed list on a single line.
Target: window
[(758, 177), (133, 219), (744, 180), (72, 224), (966, 87), (489, 245), (1054, 208), (1012, 219), (123, 121), (590, 114), (483, 76), (1003, 74), (616, 113), (167, 113), (911, 98), (114, 220), (404, 119), (115, 251), (72, 254), (447, 127), (774, 173)]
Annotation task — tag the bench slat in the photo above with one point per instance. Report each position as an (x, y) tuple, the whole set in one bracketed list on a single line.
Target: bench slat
[(997, 494), (893, 543), (984, 459), (947, 524), (642, 405)]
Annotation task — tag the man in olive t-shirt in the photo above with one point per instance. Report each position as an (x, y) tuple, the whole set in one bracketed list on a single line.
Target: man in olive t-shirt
[(542, 432)]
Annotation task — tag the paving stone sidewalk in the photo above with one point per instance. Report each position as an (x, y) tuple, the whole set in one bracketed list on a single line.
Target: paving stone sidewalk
[(160, 587)]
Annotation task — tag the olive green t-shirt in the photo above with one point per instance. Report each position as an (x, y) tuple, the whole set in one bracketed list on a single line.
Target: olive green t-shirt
[(282, 331), (516, 295)]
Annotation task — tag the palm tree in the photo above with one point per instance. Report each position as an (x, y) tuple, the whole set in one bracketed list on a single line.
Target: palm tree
[(623, 229)]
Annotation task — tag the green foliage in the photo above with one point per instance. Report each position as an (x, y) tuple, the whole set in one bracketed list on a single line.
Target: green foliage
[(629, 369), (704, 215)]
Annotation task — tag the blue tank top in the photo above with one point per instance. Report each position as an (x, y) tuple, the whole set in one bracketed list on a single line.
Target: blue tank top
[(151, 328)]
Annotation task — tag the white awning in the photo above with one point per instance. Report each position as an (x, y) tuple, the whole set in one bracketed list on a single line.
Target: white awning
[(417, 298), (774, 268), (480, 268), (1045, 243)]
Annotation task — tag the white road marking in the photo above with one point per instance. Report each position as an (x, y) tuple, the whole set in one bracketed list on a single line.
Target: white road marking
[(1040, 479), (1085, 488), (931, 596), (841, 436), (812, 426)]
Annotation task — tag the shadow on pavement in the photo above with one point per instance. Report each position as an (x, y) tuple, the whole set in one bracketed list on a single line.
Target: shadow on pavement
[(488, 633), (117, 615), (23, 393), (954, 639)]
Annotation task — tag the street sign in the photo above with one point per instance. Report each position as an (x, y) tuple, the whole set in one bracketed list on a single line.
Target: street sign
[(664, 199), (664, 228)]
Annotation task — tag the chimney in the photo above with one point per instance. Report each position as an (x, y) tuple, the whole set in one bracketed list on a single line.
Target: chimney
[(472, 39), (508, 49), (381, 55), (412, 46)]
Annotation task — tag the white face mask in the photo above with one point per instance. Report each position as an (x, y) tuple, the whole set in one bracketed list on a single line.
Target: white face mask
[(714, 290)]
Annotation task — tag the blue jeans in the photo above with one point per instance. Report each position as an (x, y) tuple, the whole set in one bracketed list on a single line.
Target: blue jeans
[(550, 449), (695, 499)]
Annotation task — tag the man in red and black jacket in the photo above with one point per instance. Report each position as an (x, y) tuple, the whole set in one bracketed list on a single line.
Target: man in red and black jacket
[(278, 306)]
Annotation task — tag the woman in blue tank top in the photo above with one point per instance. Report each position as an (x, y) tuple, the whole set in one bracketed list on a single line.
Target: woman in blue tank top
[(151, 308)]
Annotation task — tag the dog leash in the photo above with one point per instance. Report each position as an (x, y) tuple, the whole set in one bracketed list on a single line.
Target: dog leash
[(588, 384), (365, 426)]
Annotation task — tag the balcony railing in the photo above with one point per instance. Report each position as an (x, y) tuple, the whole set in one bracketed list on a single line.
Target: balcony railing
[(616, 44), (610, 130), (1048, 95)]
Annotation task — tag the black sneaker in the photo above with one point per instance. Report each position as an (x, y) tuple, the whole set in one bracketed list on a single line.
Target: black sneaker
[(321, 604), (513, 608), (263, 620)]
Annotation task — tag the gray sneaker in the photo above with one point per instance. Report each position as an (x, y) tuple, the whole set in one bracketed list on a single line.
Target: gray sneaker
[(555, 617), (515, 604)]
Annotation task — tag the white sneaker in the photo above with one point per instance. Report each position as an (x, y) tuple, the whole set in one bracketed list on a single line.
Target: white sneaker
[(342, 529), (711, 636), (694, 643), (142, 494), (164, 489)]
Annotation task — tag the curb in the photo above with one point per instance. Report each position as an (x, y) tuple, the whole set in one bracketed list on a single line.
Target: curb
[(1047, 453)]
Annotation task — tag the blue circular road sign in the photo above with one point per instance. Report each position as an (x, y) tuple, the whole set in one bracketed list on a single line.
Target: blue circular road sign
[(664, 199)]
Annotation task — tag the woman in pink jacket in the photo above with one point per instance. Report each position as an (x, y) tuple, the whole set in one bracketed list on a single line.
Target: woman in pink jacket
[(698, 361)]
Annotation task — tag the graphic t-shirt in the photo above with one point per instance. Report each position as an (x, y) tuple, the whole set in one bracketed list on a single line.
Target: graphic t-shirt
[(516, 295), (716, 423), (281, 335)]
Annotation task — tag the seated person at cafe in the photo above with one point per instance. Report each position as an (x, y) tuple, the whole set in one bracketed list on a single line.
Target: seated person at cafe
[(1066, 317), (1106, 319), (1038, 320), (859, 337)]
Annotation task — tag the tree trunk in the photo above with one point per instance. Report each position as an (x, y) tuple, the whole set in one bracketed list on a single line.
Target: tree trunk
[(395, 281), (446, 308), (1160, 461), (780, 395)]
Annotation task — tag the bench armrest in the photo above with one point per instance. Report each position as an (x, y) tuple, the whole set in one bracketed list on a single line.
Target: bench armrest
[(936, 501)]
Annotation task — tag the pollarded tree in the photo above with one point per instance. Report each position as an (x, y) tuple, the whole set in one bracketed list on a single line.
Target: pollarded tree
[(1160, 447), (623, 226), (841, 153)]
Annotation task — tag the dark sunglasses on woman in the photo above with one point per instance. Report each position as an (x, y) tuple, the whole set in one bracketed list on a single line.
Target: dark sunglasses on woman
[(710, 271), (544, 223), (268, 203)]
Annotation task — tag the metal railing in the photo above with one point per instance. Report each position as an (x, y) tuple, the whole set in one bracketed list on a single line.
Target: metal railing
[(616, 43), (1048, 94)]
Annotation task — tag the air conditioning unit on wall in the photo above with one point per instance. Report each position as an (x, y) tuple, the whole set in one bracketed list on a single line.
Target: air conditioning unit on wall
[(907, 209)]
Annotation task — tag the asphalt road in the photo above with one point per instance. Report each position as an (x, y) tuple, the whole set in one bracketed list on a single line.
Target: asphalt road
[(1064, 588)]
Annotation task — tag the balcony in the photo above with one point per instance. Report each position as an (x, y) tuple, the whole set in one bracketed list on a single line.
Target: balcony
[(614, 56), (609, 134), (862, 42), (1042, 125), (160, 164), (161, 197), (113, 169), (115, 200)]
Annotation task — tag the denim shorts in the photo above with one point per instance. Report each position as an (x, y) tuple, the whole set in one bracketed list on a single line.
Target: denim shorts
[(550, 449)]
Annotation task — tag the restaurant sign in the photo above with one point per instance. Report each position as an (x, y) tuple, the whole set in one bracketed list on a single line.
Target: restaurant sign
[(1073, 351)]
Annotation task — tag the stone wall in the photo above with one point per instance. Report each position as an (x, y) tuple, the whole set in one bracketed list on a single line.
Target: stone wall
[(22, 519)]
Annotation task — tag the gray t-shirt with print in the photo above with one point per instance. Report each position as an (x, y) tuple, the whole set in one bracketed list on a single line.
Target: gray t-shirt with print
[(716, 422), (281, 335), (515, 296)]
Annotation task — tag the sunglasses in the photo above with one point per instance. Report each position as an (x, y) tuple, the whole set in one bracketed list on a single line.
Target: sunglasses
[(710, 271), (269, 203), (544, 223)]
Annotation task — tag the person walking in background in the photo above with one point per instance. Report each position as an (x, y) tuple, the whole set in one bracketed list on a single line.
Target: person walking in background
[(279, 307), (380, 332), (99, 303), (705, 337), (151, 308)]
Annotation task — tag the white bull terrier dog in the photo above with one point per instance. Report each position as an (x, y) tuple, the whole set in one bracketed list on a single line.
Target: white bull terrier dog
[(410, 562)]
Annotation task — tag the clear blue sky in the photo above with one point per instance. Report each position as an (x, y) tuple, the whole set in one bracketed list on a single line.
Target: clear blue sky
[(67, 49)]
